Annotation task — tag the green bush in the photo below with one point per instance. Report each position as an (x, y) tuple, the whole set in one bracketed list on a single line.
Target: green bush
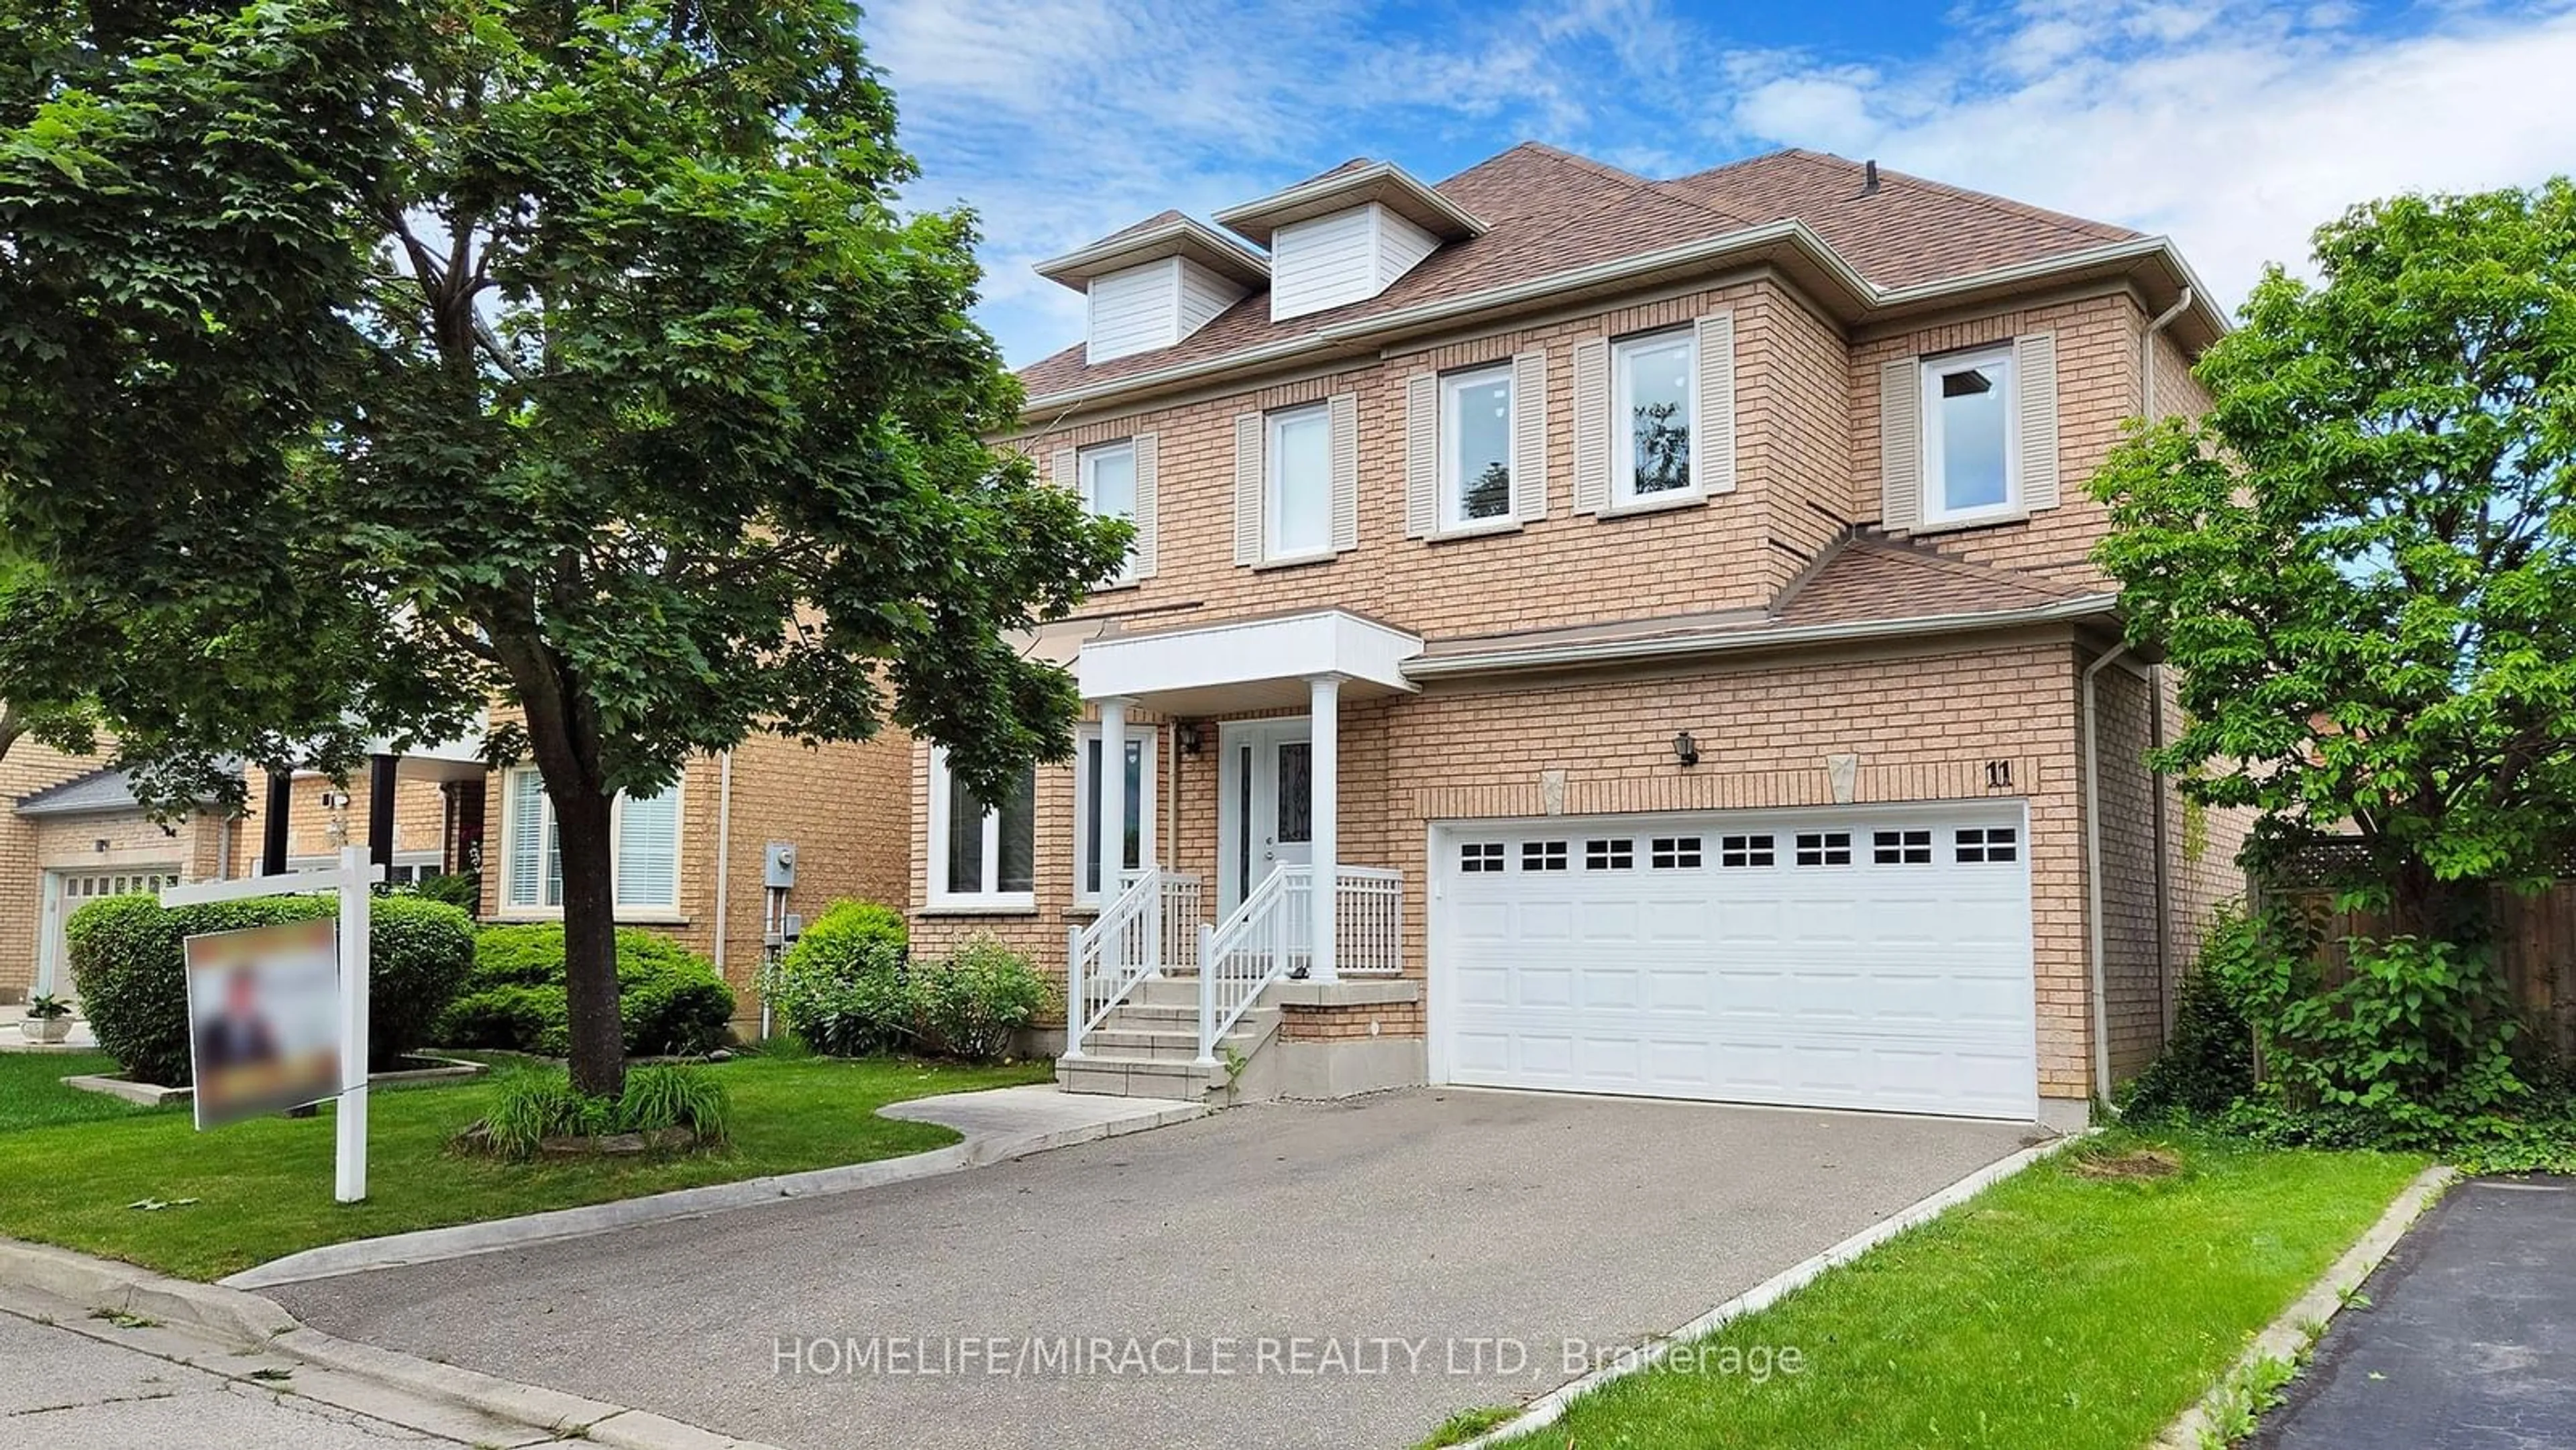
[(460, 889), (670, 999), (974, 1004), (842, 988), (2208, 1062), (531, 1105), (847, 989), (128, 963)]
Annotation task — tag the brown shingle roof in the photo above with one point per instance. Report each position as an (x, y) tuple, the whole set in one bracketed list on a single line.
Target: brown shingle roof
[(1910, 231), (1869, 578), (1549, 211)]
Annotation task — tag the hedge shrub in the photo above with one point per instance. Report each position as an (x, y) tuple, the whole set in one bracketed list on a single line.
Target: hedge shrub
[(127, 960), (841, 988), (849, 989), (670, 999)]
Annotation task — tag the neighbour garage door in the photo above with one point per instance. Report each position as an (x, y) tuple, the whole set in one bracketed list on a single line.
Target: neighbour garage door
[(1825, 959)]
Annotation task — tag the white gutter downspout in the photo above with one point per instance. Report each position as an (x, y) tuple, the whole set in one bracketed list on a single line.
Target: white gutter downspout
[(2147, 352), (724, 870), (2093, 872)]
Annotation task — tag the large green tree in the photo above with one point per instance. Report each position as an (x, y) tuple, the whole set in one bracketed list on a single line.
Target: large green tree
[(577, 351), (2362, 559)]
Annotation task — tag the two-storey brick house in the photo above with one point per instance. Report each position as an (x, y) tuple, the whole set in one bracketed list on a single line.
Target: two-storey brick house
[(1608, 635)]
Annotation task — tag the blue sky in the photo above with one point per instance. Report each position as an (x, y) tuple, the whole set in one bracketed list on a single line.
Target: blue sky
[(2232, 127)]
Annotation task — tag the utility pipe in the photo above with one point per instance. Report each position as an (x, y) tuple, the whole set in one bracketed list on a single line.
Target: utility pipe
[(724, 871), (2093, 869)]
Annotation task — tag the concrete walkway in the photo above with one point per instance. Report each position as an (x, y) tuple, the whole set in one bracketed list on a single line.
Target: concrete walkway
[(1283, 1276), (2468, 1341)]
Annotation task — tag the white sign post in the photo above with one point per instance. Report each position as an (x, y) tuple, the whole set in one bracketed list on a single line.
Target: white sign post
[(354, 880)]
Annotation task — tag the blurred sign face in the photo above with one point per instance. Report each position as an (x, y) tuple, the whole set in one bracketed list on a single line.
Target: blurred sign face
[(264, 1018)]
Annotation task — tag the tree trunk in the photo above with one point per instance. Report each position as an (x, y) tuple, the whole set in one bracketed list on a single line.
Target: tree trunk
[(563, 734), (590, 937)]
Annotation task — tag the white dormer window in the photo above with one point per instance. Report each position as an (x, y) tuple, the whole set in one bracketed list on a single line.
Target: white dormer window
[(1154, 284), (1347, 235)]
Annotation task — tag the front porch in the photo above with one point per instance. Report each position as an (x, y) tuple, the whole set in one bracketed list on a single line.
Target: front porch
[(1186, 976)]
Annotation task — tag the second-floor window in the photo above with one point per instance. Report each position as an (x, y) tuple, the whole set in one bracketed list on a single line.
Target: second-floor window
[(1297, 495), (1969, 470), (1476, 447), (1652, 384), (1108, 484)]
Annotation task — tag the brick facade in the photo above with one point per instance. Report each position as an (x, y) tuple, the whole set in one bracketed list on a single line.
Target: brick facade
[(1927, 720)]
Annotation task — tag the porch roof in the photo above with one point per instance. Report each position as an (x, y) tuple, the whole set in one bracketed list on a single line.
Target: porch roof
[(1247, 664)]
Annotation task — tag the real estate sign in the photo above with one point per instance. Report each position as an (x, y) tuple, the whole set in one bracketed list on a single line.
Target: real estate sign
[(264, 1019)]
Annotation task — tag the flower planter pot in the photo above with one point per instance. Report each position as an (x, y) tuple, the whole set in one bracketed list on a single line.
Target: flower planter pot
[(46, 1029)]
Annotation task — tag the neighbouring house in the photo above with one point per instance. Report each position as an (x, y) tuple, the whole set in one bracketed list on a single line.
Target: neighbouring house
[(695, 862), (1604, 634)]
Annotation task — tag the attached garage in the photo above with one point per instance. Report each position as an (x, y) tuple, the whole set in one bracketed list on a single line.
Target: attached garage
[(1842, 958)]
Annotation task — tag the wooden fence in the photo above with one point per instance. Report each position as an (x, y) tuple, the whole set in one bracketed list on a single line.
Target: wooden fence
[(2535, 940)]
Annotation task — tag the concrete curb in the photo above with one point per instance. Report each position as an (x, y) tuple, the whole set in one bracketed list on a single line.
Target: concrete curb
[(431, 1245), (251, 1322), (2288, 1336), (1550, 1407)]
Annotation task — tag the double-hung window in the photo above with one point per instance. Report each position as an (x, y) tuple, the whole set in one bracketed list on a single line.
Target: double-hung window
[(1108, 485), (1655, 400), (1970, 467), (644, 852), (1297, 494), (982, 853), (1139, 832), (1476, 448)]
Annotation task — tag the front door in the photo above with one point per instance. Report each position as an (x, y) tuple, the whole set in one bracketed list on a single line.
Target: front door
[(1264, 816)]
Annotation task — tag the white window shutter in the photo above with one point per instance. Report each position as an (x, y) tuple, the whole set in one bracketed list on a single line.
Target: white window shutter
[(1421, 456), (1148, 447), (1900, 444), (526, 871), (1067, 469), (1342, 423), (1529, 437), (2035, 431), (1715, 424), (1592, 426), (1247, 489)]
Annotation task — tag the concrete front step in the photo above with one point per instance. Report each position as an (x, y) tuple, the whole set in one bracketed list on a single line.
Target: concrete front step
[(1165, 991), (1163, 1043), (1139, 1077)]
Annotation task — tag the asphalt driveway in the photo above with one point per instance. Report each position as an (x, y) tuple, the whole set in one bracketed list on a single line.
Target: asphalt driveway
[(1292, 1275), (2468, 1341)]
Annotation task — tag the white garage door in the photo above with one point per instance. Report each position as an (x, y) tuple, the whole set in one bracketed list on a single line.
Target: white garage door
[(1826, 959)]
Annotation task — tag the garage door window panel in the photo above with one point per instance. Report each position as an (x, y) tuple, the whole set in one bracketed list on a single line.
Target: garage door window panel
[(1543, 855), (1478, 857), (1824, 848), (1610, 855), (1901, 848), (1979, 844), (1743, 852), (1674, 853)]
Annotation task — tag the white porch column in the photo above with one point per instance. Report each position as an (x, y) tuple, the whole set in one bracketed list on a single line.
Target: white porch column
[(1109, 849), (1324, 808)]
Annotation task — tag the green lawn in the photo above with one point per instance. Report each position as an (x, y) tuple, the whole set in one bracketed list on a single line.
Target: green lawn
[(2054, 1311), (263, 1188), (32, 1094)]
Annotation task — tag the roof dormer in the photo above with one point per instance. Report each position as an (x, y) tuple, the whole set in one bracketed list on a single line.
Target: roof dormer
[(1155, 283), (1347, 235)]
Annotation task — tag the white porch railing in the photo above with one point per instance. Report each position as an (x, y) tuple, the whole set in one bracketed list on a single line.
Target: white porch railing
[(1269, 935), (1152, 925), (1368, 922), (1272, 934)]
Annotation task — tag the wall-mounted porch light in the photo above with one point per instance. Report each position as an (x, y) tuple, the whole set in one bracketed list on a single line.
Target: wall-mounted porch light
[(1190, 737), (1685, 749)]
